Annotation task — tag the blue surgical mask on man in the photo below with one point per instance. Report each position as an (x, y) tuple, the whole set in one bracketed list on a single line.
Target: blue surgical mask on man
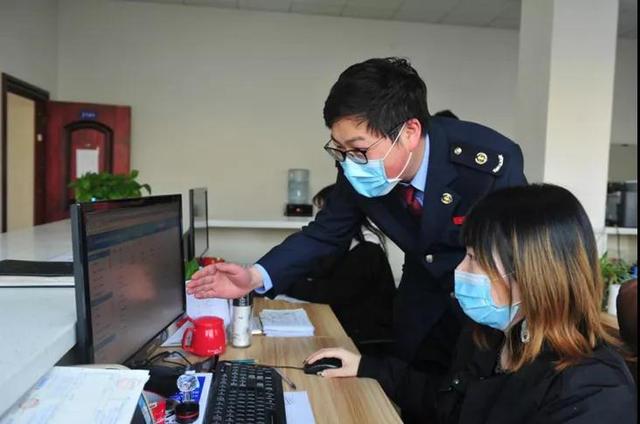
[(370, 179), (473, 292)]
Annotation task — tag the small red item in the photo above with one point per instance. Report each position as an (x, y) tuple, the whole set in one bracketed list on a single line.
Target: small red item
[(158, 410), (181, 321), (208, 260), (458, 220)]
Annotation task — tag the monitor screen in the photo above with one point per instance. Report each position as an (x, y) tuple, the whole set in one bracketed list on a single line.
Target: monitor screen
[(129, 274), (199, 222)]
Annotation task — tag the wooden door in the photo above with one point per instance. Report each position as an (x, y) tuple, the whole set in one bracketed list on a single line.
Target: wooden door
[(12, 85), (82, 137)]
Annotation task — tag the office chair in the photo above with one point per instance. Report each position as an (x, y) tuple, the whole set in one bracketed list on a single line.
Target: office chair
[(627, 307)]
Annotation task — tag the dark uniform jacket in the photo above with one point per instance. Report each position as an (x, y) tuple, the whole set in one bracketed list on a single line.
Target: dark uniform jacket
[(600, 389), (466, 161)]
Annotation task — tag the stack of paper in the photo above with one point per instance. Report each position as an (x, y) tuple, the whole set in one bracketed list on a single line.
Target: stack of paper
[(213, 306), (298, 408), (286, 323), (197, 308), (289, 299), (80, 395)]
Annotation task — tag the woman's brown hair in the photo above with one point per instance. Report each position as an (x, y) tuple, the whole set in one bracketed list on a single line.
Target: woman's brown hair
[(546, 244)]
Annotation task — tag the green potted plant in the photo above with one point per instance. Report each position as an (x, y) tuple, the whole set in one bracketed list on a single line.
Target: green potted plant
[(106, 186), (190, 268), (614, 273)]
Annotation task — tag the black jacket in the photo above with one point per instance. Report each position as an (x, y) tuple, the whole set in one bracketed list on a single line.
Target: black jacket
[(598, 390), (359, 287)]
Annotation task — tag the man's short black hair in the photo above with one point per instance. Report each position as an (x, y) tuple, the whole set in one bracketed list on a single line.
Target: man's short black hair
[(446, 114), (384, 92)]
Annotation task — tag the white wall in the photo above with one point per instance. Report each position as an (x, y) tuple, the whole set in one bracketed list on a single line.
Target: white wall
[(232, 99), (29, 43), (623, 162), (625, 94)]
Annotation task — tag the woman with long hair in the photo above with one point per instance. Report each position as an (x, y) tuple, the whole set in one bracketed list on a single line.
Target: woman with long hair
[(535, 349)]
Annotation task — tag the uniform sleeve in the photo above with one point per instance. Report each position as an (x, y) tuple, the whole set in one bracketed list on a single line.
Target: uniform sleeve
[(590, 394), (332, 230), (267, 284)]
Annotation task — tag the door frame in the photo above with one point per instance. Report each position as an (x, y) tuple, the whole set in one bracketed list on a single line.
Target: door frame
[(39, 96)]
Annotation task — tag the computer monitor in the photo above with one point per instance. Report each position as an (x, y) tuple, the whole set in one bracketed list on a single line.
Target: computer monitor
[(198, 222), (129, 274)]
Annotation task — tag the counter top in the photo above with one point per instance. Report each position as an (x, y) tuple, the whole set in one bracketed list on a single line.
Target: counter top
[(39, 243), (623, 231), (293, 223), (38, 330)]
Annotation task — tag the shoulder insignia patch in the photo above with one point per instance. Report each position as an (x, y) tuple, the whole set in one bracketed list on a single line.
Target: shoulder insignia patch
[(476, 157)]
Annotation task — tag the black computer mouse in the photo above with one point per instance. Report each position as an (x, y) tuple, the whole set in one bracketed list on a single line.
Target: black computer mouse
[(321, 365)]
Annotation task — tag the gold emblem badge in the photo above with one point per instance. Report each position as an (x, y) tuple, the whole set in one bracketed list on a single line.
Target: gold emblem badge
[(446, 198), (481, 158)]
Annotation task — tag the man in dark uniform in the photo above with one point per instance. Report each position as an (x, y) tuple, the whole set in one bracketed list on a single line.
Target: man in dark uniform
[(415, 177)]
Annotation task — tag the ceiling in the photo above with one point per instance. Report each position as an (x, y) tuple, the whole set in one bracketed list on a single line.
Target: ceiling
[(480, 13)]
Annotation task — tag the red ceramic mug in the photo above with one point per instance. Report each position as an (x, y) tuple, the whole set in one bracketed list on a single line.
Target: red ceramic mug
[(206, 337)]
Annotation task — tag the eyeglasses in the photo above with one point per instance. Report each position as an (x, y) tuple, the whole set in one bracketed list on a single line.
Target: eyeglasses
[(358, 156)]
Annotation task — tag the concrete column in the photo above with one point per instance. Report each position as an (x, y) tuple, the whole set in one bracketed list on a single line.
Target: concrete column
[(565, 95)]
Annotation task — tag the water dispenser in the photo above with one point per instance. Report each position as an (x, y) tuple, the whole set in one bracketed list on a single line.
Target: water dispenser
[(298, 202)]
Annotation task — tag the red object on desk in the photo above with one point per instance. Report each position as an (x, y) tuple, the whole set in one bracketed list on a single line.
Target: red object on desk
[(208, 260), (158, 411), (206, 337)]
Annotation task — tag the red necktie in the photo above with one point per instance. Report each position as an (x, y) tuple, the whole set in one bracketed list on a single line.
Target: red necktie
[(413, 205)]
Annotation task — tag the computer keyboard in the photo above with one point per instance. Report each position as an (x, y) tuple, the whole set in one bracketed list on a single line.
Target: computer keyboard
[(243, 393)]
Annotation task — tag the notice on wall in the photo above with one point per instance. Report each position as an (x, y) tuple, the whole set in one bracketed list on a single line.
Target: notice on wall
[(87, 160)]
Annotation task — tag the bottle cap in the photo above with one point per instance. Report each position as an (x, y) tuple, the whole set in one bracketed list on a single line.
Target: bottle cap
[(245, 300)]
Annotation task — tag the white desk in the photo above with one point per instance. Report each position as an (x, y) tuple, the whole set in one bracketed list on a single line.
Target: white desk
[(38, 243), (38, 324), (38, 328), (284, 223), (623, 231), (246, 240)]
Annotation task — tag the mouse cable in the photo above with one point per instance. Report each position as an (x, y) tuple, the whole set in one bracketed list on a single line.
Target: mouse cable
[(281, 366)]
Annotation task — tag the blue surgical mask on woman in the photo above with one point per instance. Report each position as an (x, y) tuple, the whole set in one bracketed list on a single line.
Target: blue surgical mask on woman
[(370, 179), (473, 292)]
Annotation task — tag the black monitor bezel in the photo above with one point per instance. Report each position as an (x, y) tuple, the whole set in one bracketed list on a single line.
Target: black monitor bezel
[(84, 334), (192, 228)]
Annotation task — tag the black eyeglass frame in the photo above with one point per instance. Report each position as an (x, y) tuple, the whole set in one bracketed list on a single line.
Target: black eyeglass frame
[(341, 155)]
